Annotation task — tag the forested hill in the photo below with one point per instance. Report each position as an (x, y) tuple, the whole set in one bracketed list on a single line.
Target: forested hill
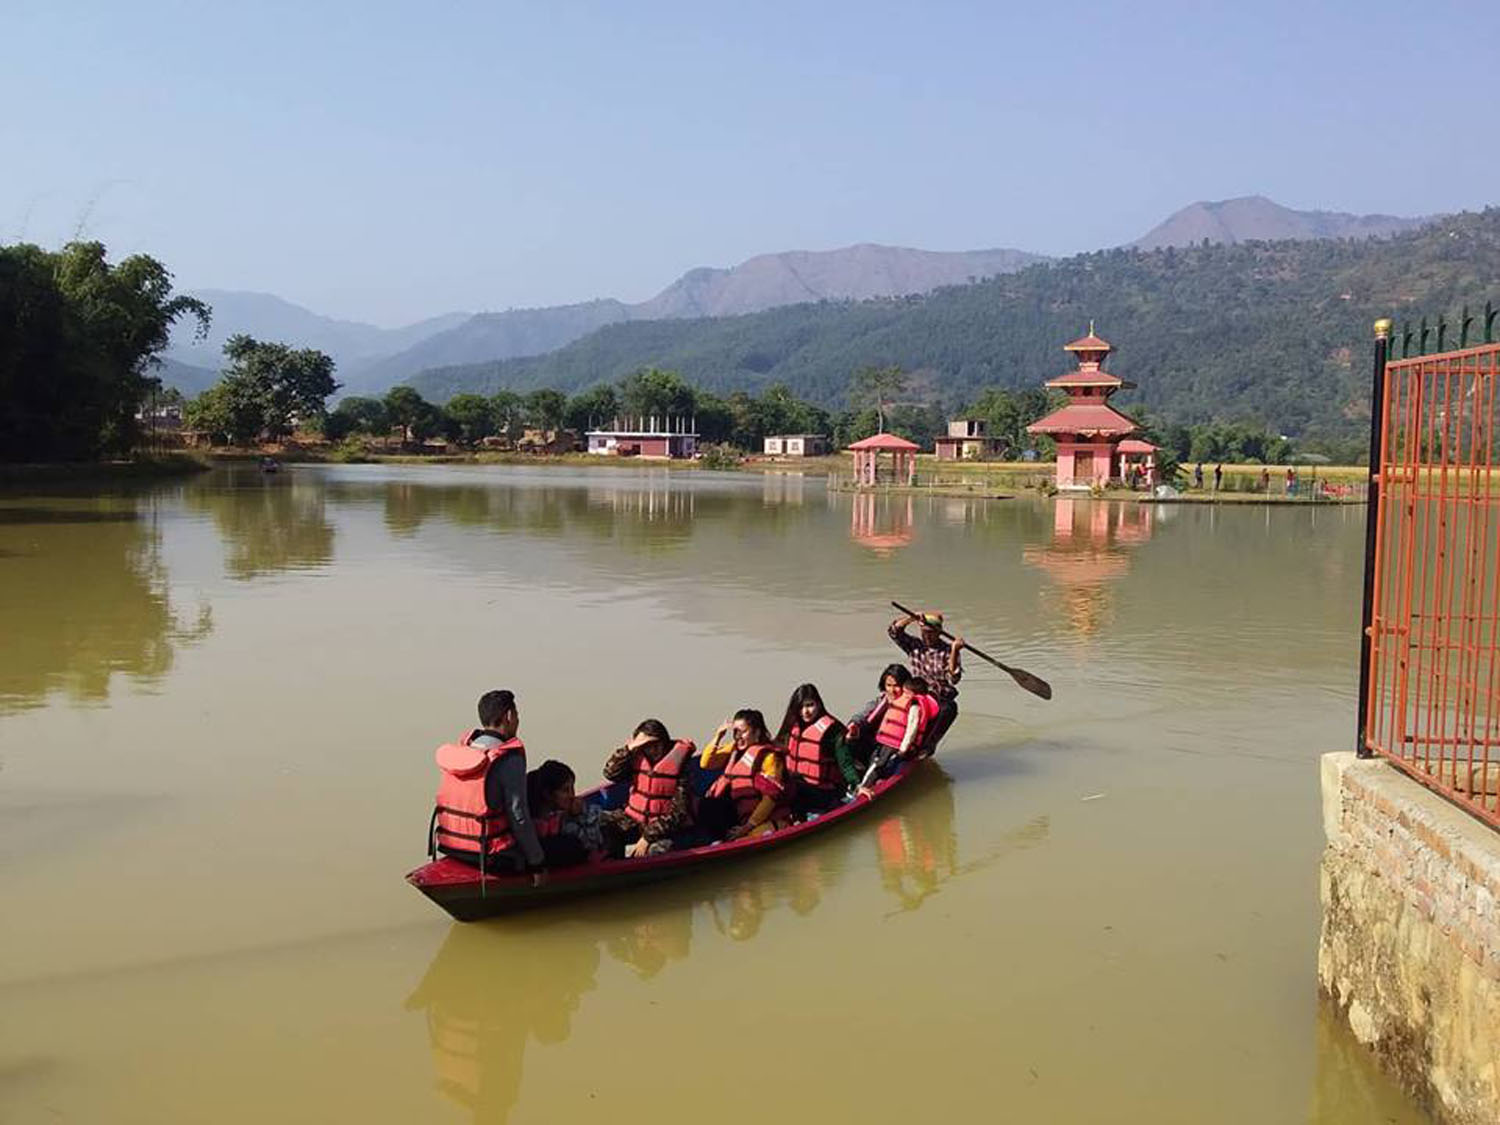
[(1276, 332)]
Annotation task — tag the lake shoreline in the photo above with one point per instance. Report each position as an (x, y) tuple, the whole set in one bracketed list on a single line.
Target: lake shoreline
[(156, 466)]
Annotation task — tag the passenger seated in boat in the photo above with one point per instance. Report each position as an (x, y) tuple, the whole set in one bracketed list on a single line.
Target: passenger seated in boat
[(894, 724), (932, 731), (820, 768), (659, 806), (568, 828), (749, 798), (482, 817)]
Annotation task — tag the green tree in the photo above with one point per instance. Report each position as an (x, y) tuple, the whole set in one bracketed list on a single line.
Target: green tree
[(290, 384), (230, 411), (472, 416), (877, 387), (509, 412), (545, 408), (593, 407), (78, 340), (407, 409), (651, 392), (357, 415)]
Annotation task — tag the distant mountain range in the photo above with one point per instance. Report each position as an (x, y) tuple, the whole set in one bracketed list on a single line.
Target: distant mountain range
[(1256, 218), (1275, 332), (371, 360)]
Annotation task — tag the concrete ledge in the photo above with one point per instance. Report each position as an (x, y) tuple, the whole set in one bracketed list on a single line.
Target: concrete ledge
[(1410, 948)]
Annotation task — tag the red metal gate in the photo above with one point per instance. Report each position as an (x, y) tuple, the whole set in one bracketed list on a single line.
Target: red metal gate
[(1432, 705)]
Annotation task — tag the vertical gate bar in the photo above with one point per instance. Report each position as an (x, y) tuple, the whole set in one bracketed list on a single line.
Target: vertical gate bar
[(1421, 564), (1372, 532), (1473, 569), (1401, 702), (1443, 649)]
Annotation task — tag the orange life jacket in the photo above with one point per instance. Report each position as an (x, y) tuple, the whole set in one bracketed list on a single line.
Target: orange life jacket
[(465, 822), (810, 758), (892, 729), (745, 784), (655, 784)]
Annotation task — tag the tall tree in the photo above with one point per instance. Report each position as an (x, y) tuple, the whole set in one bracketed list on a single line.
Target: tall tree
[(291, 384), (593, 407), (652, 392), (472, 416), (545, 408), (878, 387), (78, 340)]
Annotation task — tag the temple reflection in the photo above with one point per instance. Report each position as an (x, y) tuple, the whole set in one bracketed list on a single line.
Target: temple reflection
[(1089, 551), (882, 523)]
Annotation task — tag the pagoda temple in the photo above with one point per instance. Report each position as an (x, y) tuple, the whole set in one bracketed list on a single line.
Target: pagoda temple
[(1088, 430)]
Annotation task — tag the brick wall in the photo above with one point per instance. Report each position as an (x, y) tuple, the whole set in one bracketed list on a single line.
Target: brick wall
[(1410, 945)]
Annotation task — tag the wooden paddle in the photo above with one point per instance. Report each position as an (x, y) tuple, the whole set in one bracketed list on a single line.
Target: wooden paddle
[(1024, 679)]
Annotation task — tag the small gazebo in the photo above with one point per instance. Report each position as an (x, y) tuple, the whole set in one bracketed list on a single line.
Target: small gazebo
[(1138, 454), (867, 459)]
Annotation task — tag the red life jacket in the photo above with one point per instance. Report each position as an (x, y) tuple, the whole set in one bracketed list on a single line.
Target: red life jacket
[(465, 822), (745, 784), (549, 825), (809, 757), (655, 784), (892, 729), (930, 707)]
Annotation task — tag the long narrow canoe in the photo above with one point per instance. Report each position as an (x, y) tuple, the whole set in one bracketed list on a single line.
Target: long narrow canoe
[(460, 889)]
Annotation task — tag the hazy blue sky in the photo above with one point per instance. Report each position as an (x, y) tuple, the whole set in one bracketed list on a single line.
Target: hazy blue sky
[(387, 161)]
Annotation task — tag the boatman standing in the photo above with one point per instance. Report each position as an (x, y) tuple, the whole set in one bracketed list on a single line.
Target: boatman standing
[(935, 660)]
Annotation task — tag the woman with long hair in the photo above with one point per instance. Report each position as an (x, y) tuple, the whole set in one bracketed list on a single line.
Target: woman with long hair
[(749, 798), (820, 767)]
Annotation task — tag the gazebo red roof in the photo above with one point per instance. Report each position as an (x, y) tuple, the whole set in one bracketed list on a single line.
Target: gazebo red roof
[(1135, 445), (1084, 418), (887, 442)]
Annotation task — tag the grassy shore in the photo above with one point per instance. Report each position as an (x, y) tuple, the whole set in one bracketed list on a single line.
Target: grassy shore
[(154, 466)]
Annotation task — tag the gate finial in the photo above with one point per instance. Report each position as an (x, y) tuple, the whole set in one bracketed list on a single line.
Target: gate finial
[(1383, 328)]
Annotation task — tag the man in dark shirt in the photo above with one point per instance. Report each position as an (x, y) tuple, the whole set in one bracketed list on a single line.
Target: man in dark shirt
[(505, 783), (935, 660)]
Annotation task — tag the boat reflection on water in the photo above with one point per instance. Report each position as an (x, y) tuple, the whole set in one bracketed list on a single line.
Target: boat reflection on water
[(481, 1011), (494, 987), (882, 523), (1091, 540)]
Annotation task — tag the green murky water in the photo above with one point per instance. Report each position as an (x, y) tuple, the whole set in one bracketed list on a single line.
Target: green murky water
[(218, 701)]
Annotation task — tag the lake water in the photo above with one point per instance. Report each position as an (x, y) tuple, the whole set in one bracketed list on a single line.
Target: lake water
[(219, 700)]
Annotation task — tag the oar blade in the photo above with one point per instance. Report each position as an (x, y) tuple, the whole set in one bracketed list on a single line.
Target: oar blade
[(1034, 684)]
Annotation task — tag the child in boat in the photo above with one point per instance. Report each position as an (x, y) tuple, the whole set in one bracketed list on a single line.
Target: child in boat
[(895, 725), (931, 707), (820, 767), (659, 805), (749, 798), (568, 829)]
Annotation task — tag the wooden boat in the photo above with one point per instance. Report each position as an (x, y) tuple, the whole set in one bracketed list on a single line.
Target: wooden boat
[(460, 889)]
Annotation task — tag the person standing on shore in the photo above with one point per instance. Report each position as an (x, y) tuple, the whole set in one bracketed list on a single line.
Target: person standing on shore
[(1198, 475), (1265, 479), (1218, 476), (935, 660)]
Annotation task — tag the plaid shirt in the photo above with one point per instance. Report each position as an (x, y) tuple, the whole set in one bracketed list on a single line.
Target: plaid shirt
[(930, 662)]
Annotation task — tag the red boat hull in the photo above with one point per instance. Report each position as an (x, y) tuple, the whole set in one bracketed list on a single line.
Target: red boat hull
[(460, 890)]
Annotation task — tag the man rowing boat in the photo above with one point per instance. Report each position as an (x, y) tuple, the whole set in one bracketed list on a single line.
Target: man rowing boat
[(936, 660)]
